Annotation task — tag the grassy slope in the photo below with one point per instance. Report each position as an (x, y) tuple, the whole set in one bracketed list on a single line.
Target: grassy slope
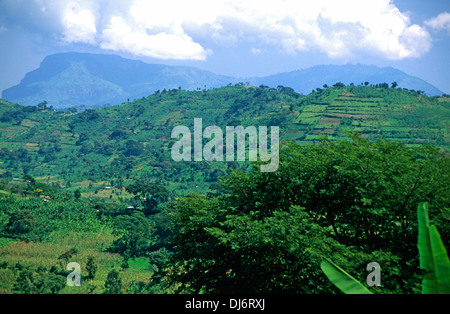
[(45, 254)]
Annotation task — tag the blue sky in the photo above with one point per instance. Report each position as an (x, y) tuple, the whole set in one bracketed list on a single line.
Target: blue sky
[(238, 38)]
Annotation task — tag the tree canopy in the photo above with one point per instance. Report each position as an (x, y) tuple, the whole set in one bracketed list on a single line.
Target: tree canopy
[(350, 201)]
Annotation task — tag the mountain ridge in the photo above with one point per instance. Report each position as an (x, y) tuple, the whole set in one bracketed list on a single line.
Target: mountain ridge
[(319, 75), (121, 79), (95, 80)]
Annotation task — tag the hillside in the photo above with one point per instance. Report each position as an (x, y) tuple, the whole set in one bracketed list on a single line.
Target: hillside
[(117, 145), (91, 81), (99, 188)]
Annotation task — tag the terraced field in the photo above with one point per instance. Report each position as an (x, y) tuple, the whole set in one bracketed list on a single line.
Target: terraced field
[(411, 121)]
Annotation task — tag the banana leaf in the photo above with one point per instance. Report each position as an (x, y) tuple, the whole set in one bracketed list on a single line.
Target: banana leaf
[(433, 256), (341, 279)]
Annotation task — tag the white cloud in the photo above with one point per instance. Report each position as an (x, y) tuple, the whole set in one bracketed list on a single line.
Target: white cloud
[(79, 24), (440, 22), (336, 28), (157, 29), (180, 29), (339, 29), (255, 51), (120, 36)]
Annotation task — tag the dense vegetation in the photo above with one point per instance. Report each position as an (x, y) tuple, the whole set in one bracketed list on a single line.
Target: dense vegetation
[(354, 202), (99, 188)]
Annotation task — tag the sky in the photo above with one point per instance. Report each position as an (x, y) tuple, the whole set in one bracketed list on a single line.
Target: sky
[(232, 37)]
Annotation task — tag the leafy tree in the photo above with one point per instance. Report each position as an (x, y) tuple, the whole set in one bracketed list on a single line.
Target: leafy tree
[(24, 282), (91, 267), (77, 194), (118, 133), (339, 85), (137, 236), (125, 263), (242, 254), (89, 114), (286, 90), (13, 116), (353, 201), (352, 187), (49, 283), (42, 105), (149, 196), (138, 288), (29, 179), (41, 283), (21, 222), (133, 148), (113, 284)]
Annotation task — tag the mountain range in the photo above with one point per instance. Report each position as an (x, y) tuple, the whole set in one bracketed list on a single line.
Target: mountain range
[(96, 80), (306, 80)]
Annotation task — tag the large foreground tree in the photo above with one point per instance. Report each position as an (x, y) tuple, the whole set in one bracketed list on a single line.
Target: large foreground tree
[(353, 202)]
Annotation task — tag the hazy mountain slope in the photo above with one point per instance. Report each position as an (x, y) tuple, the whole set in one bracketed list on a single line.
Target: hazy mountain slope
[(304, 81), (77, 79)]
